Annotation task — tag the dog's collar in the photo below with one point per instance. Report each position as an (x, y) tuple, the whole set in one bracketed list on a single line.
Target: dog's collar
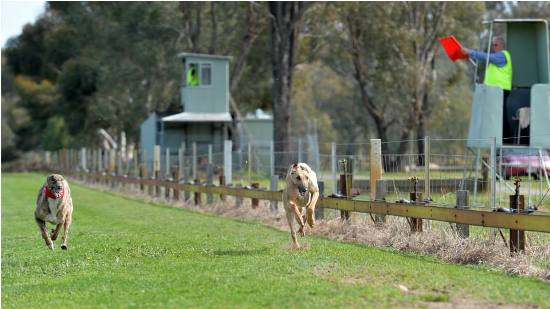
[(49, 194)]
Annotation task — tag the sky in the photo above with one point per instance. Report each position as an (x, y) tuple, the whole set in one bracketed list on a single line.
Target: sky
[(15, 14)]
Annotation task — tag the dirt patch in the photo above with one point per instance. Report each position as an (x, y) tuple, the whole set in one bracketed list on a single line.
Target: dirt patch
[(471, 304)]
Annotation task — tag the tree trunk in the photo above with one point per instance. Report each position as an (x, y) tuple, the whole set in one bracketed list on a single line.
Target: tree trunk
[(285, 17), (214, 23), (252, 32)]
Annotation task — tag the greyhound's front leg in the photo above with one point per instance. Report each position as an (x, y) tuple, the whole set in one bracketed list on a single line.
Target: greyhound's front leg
[(55, 231), (311, 209), (44, 232), (66, 227), (298, 216)]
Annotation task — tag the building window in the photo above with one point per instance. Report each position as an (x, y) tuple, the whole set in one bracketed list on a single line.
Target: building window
[(192, 75), (206, 74)]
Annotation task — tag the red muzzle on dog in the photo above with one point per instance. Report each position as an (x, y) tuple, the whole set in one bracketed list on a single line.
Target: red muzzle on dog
[(50, 194)]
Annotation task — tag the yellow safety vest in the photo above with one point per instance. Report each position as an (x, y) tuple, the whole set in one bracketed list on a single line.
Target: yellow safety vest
[(500, 76), (192, 79)]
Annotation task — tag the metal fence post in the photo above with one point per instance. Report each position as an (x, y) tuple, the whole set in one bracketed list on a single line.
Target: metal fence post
[(427, 159), (300, 146), (376, 174), (210, 154), (493, 179), (271, 159), (194, 154), (227, 161), (333, 166), (143, 170), (135, 162), (167, 163), (83, 162), (156, 167), (209, 182), (167, 172), (48, 159), (249, 162)]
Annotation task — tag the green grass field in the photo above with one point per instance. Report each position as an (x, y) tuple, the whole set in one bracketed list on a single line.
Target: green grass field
[(125, 253)]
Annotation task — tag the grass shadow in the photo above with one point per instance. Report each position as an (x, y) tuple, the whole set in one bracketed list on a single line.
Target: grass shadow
[(240, 252)]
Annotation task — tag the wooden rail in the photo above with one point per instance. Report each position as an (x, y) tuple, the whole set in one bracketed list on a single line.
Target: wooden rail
[(537, 222)]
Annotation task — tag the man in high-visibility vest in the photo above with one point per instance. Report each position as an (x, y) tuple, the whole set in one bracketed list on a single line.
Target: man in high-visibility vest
[(498, 73), (192, 76)]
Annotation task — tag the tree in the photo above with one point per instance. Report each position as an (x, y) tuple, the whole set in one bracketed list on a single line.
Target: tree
[(56, 135), (285, 18), (392, 49)]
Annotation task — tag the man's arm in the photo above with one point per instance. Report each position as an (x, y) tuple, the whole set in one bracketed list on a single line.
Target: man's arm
[(497, 58)]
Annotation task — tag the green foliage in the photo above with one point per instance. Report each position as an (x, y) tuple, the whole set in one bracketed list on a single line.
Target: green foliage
[(124, 252), (78, 79), (55, 136), (109, 64)]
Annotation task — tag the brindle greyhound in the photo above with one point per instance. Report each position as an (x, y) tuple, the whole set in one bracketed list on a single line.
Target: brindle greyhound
[(55, 205)]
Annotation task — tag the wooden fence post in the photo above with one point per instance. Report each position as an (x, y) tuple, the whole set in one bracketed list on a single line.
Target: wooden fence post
[(197, 194), (376, 174), (176, 191), (221, 180), (273, 186), (183, 171), (463, 230), (346, 183), (517, 204), (320, 211), (255, 201), (238, 198), (416, 197), (380, 196)]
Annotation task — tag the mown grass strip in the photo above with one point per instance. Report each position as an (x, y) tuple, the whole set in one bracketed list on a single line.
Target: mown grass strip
[(127, 253)]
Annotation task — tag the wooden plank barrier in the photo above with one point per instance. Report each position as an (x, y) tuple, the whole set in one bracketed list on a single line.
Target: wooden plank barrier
[(536, 222)]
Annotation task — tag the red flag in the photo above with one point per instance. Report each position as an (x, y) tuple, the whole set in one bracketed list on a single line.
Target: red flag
[(452, 48)]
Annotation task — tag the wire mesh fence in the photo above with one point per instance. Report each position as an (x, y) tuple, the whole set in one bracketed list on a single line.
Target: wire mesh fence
[(434, 168)]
